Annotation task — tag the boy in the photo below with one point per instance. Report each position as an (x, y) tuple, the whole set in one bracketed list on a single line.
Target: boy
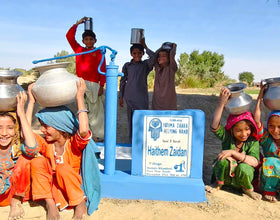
[(87, 68), (133, 85)]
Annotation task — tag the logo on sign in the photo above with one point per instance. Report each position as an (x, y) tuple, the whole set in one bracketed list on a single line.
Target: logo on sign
[(155, 127)]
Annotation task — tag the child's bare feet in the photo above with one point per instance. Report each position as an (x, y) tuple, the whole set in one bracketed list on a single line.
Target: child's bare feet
[(80, 211), (213, 188), (253, 195), (52, 211), (16, 210), (270, 198)]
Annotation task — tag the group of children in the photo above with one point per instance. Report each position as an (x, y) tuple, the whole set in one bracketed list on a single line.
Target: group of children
[(55, 168), (239, 162), (48, 168), (133, 85), (61, 168)]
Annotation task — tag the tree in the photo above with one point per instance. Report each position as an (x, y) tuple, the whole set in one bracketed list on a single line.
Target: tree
[(247, 77), (205, 67), (71, 68)]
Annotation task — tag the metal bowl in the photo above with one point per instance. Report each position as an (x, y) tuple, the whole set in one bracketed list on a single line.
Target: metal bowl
[(9, 88), (271, 97), (239, 102)]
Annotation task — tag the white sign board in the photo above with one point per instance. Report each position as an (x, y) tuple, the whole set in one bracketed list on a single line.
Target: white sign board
[(167, 145)]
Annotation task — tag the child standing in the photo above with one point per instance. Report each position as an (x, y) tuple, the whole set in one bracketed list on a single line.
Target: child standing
[(240, 150), (270, 142), (14, 166), (164, 96), (57, 176), (87, 68), (133, 85)]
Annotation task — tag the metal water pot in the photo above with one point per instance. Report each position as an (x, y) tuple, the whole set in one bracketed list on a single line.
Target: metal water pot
[(136, 35), (238, 102), (271, 97), (55, 86), (167, 46), (88, 24), (9, 88)]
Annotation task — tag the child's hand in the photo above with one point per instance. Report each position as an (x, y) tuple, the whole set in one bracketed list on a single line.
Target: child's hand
[(30, 95), (82, 20), (121, 102), (81, 88), (143, 43), (100, 91), (262, 86), (225, 154), (224, 95), (21, 100)]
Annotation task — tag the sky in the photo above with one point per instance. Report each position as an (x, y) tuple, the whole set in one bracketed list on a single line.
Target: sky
[(246, 32)]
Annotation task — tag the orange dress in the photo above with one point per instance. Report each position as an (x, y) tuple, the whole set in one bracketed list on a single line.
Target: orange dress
[(58, 177)]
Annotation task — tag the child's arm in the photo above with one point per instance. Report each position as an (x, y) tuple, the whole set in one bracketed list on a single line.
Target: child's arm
[(257, 114), (82, 112), (172, 56), (70, 36), (122, 85), (224, 95), (250, 160), (31, 103), (152, 56), (27, 132)]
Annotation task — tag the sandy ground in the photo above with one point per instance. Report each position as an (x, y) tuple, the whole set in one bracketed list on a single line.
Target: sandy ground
[(221, 205)]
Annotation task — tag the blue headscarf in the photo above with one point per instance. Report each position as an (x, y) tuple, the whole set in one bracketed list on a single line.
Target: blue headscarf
[(63, 119), (60, 118), (272, 113)]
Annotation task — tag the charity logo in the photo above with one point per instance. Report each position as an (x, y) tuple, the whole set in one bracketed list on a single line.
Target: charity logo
[(155, 127)]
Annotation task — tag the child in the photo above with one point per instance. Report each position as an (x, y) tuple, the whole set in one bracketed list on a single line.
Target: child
[(87, 68), (14, 167), (240, 151), (133, 85), (164, 96), (56, 174), (270, 142)]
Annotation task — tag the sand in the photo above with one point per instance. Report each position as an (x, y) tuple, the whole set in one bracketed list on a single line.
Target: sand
[(221, 205)]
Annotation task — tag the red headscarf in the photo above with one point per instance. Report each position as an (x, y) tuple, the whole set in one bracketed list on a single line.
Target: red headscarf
[(233, 119)]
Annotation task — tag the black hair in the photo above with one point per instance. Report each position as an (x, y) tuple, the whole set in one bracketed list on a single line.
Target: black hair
[(137, 46), (89, 33), (7, 114)]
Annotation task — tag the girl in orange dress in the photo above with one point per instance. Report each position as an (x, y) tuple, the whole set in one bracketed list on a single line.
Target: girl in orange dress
[(56, 172)]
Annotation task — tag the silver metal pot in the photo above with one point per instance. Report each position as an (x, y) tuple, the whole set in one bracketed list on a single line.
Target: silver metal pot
[(238, 102), (9, 88), (271, 97), (55, 86), (136, 35), (88, 24)]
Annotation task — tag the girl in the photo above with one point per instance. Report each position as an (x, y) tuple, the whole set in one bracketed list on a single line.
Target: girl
[(56, 174), (14, 167), (270, 142), (164, 96), (235, 164)]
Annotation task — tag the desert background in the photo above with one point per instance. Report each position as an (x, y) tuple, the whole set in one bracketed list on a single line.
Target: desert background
[(225, 204)]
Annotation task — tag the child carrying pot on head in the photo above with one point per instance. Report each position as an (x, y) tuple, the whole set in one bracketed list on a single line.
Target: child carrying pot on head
[(87, 68), (14, 165), (133, 85), (240, 150), (270, 142), (59, 176), (164, 95)]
